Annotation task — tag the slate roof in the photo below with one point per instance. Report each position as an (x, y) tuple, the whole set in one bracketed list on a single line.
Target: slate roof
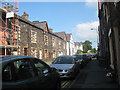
[(78, 43), (60, 34), (42, 25), (68, 36)]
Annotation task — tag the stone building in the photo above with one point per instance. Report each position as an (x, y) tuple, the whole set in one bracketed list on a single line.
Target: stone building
[(54, 45), (62, 43), (31, 38), (109, 33)]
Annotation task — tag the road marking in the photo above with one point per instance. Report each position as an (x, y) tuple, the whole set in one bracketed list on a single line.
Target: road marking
[(73, 81), (65, 84)]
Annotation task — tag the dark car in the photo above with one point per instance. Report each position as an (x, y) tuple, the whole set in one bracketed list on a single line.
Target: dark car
[(94, 56), (28, 72), (79, 59), (66, 66), (89, 57)]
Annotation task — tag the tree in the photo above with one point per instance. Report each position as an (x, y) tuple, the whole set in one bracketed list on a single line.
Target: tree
[(79, 52), (93, 50), (87, 45)]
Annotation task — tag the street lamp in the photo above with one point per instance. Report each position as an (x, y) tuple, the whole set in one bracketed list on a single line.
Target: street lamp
[(95, 29)]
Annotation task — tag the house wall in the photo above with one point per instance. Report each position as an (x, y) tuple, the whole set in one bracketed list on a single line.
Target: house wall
[(109, 24), (117, 43), (68, 48), (32, 39)]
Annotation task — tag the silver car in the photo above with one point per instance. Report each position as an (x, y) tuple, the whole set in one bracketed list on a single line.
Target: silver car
[(66, 66)]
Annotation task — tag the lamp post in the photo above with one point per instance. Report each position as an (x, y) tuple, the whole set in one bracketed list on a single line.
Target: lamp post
[(95, 29)]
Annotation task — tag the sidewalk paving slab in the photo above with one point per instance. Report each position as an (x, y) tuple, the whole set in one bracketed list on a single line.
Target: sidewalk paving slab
[(93, 76)]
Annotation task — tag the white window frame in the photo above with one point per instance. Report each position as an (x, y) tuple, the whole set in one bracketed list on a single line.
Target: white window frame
[(33, 36), (34, 51)]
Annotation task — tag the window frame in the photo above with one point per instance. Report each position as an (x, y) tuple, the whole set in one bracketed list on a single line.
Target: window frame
[(33, 36), (11, 67), (13, 70), (29, 59), (39, 61)]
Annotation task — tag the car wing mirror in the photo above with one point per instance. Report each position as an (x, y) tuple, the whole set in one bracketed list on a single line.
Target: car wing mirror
[(45, 71)]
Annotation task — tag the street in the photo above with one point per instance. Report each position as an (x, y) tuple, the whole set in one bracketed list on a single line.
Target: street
[(91, 76), (73, 45)]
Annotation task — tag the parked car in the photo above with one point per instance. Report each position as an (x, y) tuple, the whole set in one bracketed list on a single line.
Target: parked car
[(66, 66), (79, 59), (94, 56), (89, 57), (28, 72), (85, 59)]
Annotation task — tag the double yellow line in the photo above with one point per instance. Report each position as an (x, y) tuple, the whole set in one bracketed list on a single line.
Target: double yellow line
[(65, 83)]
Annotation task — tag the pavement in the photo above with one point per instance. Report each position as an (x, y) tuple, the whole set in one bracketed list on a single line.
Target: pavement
[(93, 76)]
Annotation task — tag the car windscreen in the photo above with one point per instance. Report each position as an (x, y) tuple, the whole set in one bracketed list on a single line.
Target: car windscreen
[(63, 60), (78, 56)]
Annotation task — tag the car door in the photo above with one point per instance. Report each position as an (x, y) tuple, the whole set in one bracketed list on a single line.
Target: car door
[(46, 78), (22, 74), (27, 75), (8, 77)]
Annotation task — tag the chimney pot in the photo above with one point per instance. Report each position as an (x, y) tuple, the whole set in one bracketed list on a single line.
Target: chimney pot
[(25, 15)]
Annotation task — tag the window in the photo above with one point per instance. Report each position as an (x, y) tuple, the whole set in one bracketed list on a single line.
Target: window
[(18, 50), (33, 36), (53, 42), (25, 51), (7, 74), (23, 69), (46, 53), (40, 54), (33, 51), (64, 60), (45, 40), (40, 67), (54, 54)]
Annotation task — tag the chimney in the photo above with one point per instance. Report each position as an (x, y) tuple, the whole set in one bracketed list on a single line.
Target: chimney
[(25, 16), (51, 30), (35, 22), (9, 7)]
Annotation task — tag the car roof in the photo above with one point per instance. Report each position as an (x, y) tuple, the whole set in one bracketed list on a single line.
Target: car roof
[(65, 56), (5, 59), (77, 54)]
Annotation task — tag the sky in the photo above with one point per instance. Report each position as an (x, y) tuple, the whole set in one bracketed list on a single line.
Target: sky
[(71, 17)]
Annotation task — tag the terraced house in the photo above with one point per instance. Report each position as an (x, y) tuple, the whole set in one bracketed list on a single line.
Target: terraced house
[(62, 44), (24, 37), (109, 35)]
